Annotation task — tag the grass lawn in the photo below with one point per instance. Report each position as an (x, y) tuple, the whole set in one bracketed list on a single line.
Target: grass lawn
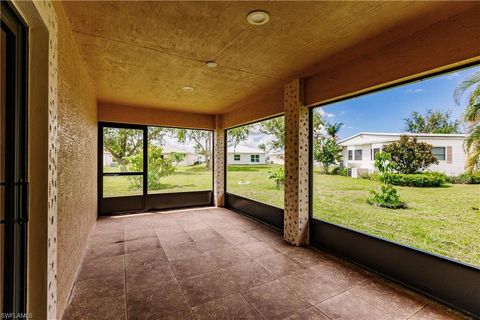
[(192, 178), (445, 221), (252, 182)]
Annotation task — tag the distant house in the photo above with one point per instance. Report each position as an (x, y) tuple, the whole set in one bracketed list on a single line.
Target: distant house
[(359, 150), (276, 158), (107, 158), (190, 159), (245, 155)]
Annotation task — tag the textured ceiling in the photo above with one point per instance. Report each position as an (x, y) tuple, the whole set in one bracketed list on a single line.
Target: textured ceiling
[(143, 53)]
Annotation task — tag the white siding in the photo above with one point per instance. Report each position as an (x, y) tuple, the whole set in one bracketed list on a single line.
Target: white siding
[(456, 167), (459, 156), (245, 158)]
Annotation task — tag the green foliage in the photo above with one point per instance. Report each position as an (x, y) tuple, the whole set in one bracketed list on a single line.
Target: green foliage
[(339, 171), (158, 168), (386, 197), (472, 117), (384, 163), (123, 143), (276, 128), (428, 179), (177, 157), (279, 178), (465, 178), (410, 156), (238, 135), (327, 152), (326, 149), (432, 122)]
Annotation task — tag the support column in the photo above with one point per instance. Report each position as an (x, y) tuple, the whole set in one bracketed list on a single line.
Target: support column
[(219, 164), (296, 165)]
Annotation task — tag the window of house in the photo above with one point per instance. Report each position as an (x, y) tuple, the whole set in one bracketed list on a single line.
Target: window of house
[(439, 153), (358, 155), (252, 178), (441, 218)]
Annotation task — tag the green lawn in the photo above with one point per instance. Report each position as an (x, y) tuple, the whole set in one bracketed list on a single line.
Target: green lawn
[(252, 182), (445, 221), (192, 178)]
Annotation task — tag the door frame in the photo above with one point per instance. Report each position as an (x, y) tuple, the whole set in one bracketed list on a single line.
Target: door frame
[(16, 183), (146, 202)]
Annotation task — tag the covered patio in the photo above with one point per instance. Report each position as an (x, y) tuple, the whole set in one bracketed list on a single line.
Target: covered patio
[(182, 160)]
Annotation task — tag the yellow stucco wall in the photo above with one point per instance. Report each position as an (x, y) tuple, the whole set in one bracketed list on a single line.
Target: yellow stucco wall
[(77, 158)]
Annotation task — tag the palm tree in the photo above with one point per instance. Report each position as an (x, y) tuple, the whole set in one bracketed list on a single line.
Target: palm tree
[(472, 117)]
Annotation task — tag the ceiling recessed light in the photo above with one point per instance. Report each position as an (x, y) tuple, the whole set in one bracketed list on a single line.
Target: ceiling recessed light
[(187, 88), (258, 17), (211, 64)]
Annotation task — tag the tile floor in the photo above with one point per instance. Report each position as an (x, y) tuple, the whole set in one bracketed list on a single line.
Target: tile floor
[(216, 264)]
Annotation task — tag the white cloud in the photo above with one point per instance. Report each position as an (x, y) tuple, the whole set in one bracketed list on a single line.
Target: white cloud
[(325, 114), (417, 90), (452, 75)]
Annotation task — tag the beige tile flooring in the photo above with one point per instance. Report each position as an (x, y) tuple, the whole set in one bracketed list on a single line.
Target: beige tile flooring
[(212, 263)]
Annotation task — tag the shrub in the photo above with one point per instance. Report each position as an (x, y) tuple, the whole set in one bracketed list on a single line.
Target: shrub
[(410, 156), (430, 179), (279, 178), (383, 162), (158, 168), (386, 197), (339, 171), (465, 178)]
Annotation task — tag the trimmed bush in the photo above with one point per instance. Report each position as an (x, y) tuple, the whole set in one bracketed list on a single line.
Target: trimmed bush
[(465, 178), (429, 179)]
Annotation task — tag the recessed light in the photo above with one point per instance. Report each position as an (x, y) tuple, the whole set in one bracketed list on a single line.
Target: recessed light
[(258, 17), (187, 88), (211, 64)]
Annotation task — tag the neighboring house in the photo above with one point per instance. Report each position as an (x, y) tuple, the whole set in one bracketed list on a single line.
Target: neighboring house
[(190, 159), (107, 158), (276, 158), (359, 150), (245, 155)]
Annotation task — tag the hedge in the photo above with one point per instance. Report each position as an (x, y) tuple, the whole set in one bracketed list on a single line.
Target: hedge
[(465, 178), (430, 179)]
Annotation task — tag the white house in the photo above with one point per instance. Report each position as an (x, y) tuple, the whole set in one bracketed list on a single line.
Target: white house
[(190, 159), (359, 150), (245, 155), (276, 158), (107, 158)]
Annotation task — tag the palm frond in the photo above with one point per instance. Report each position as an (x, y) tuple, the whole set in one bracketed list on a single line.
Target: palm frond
[(464, 85), (473, 161), (473, 138)]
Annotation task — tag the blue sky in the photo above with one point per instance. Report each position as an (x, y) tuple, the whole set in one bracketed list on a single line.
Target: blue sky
[(384, 111)]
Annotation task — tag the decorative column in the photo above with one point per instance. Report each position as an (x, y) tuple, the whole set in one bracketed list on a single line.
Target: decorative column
[(219, 164), (296, 165)]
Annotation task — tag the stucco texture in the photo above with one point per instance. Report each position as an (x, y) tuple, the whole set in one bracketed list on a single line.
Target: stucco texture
[(77, 158)]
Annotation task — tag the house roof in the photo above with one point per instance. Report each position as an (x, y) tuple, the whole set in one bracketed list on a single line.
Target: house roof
[(180, 149), (382, 137), (245, 149)]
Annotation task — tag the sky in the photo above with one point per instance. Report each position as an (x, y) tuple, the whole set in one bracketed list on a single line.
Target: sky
[(384, 111)]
